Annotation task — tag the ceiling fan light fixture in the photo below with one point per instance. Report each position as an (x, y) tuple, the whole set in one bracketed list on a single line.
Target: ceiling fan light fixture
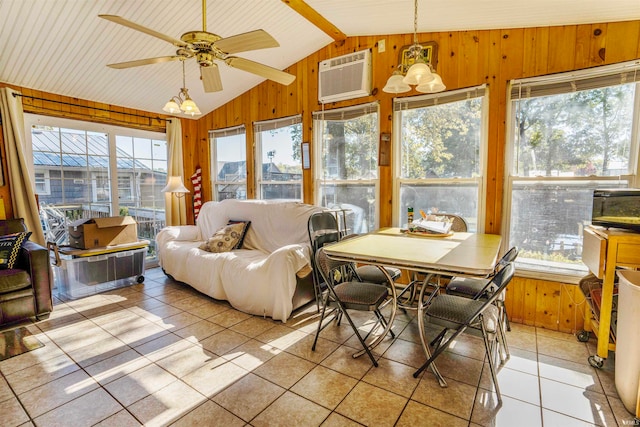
[(171, 107), (189, 107), (182, 102)]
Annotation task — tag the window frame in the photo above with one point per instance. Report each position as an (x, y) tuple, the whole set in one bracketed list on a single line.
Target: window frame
[(276, 124), (423, 101), (46, 182), (111, 132), (214, 134), (320, 179), (551, 85)]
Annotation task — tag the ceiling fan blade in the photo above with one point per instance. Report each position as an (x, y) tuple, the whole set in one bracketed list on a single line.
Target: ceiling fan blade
[(253, 40), (133, 25), (211, 78), (139, 62), (261, 70)]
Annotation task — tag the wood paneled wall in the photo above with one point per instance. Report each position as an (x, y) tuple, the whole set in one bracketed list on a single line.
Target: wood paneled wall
[(465, 58)]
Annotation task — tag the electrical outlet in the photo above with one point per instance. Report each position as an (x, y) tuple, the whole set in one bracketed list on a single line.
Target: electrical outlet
[(381, 46)]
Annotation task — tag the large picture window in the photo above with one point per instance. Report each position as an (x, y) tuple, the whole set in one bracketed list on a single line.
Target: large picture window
[(441, 150), (278, 158), (569, 134), (86, 170), (346, 144), (229, 163)]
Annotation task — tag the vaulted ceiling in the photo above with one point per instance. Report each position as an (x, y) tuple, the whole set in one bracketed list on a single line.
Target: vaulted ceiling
[(63, 47)]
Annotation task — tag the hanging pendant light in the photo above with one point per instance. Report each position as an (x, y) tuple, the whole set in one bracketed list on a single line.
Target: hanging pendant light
[(183, 101), (420, 73)]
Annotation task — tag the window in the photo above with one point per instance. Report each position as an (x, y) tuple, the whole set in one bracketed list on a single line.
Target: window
[(346, 158), (41, 180), (569, 134), (84, 170), (278, 158), (142, 173), (442, 145), (229, 163)]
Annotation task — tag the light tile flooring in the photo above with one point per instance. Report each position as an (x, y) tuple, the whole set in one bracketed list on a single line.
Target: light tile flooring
[(160, 353)]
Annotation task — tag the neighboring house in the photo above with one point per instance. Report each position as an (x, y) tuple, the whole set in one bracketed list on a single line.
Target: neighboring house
[(234, 172)]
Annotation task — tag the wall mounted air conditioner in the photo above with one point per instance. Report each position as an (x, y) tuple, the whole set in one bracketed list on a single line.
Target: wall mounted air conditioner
[(345, 77)]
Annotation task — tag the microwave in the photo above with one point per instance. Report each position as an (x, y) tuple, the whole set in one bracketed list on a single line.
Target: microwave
[(617, 208)]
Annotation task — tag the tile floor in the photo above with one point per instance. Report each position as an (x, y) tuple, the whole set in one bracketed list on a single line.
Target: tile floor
[(160, 353)]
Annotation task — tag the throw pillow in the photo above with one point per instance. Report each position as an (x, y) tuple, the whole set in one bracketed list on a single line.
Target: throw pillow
[(225, 239), (244, 231), (10, 248)]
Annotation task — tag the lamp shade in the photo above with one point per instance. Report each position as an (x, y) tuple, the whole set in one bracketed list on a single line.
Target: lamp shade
[(190, 107), (395, 84), (433, 86), (175, 185), (418, 73), (171, 107)]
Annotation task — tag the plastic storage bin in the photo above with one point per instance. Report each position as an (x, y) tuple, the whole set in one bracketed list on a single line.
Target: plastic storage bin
[(83, 276), (627, 370)]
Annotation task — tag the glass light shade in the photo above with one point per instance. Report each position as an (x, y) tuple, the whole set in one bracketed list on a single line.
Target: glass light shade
[(190, 107), (395, 84), (418, 73), (433, 86), (171, 107), (175, 185)]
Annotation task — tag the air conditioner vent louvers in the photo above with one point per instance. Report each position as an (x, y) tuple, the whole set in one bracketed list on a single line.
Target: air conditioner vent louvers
[(345, 77)]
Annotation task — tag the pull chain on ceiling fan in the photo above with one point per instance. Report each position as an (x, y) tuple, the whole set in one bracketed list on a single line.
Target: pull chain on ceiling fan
[(208, 48)]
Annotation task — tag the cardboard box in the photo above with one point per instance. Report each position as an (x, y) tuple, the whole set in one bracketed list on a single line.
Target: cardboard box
[(98, 232)]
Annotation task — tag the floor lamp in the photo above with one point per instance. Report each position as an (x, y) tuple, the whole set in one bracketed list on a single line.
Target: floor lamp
[(176, 187)]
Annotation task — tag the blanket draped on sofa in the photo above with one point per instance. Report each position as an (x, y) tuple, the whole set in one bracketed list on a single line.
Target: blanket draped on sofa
[(259, 278)]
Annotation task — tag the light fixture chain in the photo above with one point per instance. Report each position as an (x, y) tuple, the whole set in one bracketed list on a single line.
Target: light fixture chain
[(415, 22)]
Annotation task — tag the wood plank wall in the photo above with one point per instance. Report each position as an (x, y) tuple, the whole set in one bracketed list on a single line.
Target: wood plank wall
[(465, 58)]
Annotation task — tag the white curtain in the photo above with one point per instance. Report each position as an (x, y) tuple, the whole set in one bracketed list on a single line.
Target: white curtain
[(176, 209), (23, 197)]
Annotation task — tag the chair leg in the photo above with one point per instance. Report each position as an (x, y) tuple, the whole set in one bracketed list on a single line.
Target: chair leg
[(355, 329), (325, 302), (384, 322), (441, 348), (490, 357)]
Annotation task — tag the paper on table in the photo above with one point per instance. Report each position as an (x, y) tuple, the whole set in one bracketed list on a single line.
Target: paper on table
[(442, 227)]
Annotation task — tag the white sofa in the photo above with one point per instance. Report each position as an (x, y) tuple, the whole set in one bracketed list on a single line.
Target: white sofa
[(269, 276)]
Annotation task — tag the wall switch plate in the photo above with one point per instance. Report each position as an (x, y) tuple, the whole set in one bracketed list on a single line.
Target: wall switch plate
[(381, 46)]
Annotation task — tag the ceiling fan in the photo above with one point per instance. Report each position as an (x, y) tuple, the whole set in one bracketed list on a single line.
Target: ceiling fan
[(208, 48)]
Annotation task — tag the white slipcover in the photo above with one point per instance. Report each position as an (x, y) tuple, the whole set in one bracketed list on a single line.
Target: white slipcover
[(258, 279)]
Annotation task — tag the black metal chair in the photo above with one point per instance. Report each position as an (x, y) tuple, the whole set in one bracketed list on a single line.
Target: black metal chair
[(460, 314), (347, 295), (323, 229), (475, 287)]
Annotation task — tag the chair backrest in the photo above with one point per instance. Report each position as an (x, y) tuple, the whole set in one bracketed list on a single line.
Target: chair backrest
[(510, 256), (328, 267), (499, 283), (323, 229), (458, 223)]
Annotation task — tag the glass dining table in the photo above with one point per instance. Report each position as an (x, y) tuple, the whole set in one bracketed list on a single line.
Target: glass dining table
[(456, 254)]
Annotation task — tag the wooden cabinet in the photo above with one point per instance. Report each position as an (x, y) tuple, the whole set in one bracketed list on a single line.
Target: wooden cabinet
[(604, 250)]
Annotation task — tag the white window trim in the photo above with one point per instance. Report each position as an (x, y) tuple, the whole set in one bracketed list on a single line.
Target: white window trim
[(111, 131), (319, 181), (484, 146), (46, 181), (258, 128), (214, 134), (509, 178)]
